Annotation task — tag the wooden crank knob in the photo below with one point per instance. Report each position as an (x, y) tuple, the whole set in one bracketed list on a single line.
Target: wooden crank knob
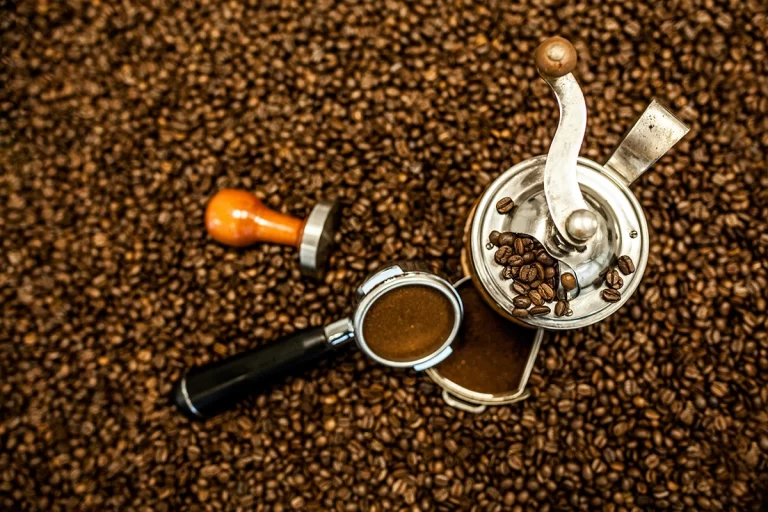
[(555, 57), (239, 219)]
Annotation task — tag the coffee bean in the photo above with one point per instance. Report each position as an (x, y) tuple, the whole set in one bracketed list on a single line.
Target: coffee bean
[(520, 312), (539, 270), (494, 238), (545, 259), (539, 310), (568, 281), (536, 298), (550, 272), (626, 265), (528, 257), (547, 293), (561, 308), (520, 246), (515, 261), (521, 301), (505, 205), (520, 288), (614, 280), (509, 272), (502, 255), (610, 295), (527, 273), (535, 284), (507, 238)]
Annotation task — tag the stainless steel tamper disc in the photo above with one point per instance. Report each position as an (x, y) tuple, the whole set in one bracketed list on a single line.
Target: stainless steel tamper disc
[(317, 237)]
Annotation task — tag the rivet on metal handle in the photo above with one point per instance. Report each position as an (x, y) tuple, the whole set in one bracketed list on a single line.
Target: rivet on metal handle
[(652, 135), (573, 218)]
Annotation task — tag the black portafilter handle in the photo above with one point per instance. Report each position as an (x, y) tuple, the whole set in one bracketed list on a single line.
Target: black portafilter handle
[(217, 386)]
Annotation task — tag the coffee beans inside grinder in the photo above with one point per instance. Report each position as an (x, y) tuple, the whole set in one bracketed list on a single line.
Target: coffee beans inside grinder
[(406, 316)]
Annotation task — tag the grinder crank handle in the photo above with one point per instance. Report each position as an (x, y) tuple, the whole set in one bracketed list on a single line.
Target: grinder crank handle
[(215, 387), (574, 220)]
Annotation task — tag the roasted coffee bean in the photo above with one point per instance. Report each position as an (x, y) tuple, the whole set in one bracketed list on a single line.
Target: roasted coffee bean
[(509, 272), (536, 298), (520, 288), (519, 246), (552, 282), (521, 301), (550, 272), (611, 295), (539, 270), (528, 257), (539, 311), (515, 260), (614, 280), (545, 259), (507, 238), (494, 238), (535, 284), (527, 273), (568, 281), (520, 312), (561, 308), (502, 255), (547, 293), (626, 265), (505, 205)]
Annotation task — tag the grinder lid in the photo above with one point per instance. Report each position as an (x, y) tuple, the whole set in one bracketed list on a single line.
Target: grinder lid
[(623, 231)]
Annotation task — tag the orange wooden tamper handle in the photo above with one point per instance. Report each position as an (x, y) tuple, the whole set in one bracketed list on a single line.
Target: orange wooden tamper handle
[(238, 218)]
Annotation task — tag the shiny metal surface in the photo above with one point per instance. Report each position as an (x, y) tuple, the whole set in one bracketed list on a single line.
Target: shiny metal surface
[(339, 332), (618, 214), (394, 276), (652, 135), (582, 224), (317, 238), (561, 186), (472, 401)]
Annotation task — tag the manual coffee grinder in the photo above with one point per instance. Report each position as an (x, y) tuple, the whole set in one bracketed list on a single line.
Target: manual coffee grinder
[(583, 213)]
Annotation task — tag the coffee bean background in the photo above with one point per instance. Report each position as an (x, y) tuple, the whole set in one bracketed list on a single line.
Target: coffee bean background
[(120, 120)]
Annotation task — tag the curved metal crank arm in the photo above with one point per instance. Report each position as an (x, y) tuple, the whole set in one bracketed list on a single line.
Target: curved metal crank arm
[(574, 219)]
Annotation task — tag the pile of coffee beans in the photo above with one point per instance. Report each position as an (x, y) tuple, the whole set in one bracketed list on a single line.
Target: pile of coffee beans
[(614, 281), (533, 272), (119, 120)]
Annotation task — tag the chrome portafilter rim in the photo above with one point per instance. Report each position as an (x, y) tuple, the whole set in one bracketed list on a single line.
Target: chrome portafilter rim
[(409, 278)]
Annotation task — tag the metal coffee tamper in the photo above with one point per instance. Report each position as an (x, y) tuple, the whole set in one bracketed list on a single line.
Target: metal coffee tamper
[(239, 219), (583, 213)]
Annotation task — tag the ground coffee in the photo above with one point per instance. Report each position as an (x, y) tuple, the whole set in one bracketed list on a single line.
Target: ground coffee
[(408, 323), (490, 353)]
